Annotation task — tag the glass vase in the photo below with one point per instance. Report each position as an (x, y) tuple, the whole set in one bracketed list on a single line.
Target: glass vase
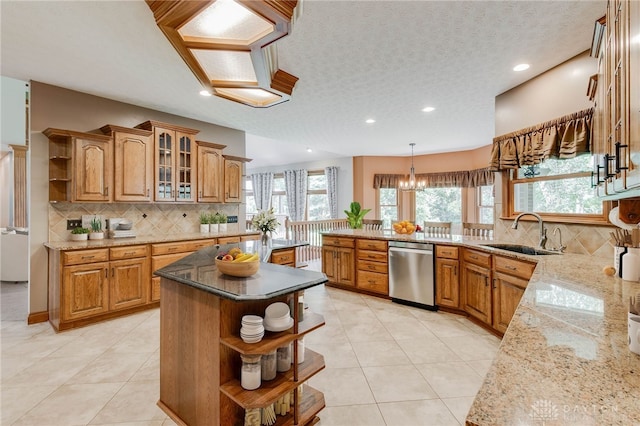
[(266, 238)]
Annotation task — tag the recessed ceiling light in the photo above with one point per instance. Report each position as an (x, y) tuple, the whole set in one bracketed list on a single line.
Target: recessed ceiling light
[(370, 121), (428, 109), (205, 93), (309, 150), (521, 67)]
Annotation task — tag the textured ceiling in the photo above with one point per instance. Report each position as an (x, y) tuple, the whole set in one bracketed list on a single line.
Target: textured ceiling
[(384, 60)]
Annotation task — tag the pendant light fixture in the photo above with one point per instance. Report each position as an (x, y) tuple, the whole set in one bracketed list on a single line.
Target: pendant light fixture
[(411, 184)]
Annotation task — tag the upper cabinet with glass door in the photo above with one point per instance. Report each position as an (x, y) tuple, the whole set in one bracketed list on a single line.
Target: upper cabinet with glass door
[(616, 123), (175, 162)]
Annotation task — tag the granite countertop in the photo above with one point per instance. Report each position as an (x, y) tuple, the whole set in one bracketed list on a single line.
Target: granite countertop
[(199, 270), (564, 359), (141, 239)]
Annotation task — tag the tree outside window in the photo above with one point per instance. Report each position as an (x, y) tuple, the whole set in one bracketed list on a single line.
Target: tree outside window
[(439, 205), (388, 206), (485, 203), (317, 199)]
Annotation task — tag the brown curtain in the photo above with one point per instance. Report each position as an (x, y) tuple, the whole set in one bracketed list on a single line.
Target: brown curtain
[(564, 137), (461, 179)]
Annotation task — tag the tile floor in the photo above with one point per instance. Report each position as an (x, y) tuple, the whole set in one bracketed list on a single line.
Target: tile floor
[(386, 364)]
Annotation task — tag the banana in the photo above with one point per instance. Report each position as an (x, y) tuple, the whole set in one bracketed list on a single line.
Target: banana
[(242, 257), (253, 258)]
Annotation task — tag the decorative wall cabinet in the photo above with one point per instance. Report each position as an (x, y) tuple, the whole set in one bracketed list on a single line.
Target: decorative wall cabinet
[(210, 172), (616, 123), (233, 178), (175, 161), (80, 166), (133, 163)]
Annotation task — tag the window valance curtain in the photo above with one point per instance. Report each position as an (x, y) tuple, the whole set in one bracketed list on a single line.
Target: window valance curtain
[(460, 179), (564, 137)]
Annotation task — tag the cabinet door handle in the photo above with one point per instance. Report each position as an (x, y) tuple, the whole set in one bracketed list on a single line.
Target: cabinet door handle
[(618, 157), (455, 270), (106, 191), (513, 268), (87, 257), (494, 283), (129, 253), (172, 249), (148, 192), (106, 272), (473, 256), (486, 281), (113, 272)]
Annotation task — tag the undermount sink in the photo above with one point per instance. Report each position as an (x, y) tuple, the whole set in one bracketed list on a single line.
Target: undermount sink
[(521, 249)]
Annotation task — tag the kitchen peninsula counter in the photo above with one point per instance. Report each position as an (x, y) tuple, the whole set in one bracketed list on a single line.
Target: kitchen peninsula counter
[(200, 345), (564, 359)]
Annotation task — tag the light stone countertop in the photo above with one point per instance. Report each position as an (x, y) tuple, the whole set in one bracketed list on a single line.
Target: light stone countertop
[(564, 359), (141, 239)]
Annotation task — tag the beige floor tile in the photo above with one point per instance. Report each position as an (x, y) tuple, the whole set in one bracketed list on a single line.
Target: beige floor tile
[(92, 343), (473, 326), (150, 370), (473, 347), (336, 355), (410, 328), (392, 312), (56, 409), (432, 412), (17, 401), (447, 327), (397, 383), (451, 379), (343, 386), (352, 415), (136, 401), (366, 331), (421, 351), (459, 407), (14, 365), (356, 314), (169, 422), (330, 333), (110, 367), (49, 371), (380, 353), (37, 346), (424, 314), (138, 342)]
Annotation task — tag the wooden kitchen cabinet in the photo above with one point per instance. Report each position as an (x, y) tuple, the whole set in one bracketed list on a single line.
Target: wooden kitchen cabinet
[(129, 277), (447, 278), (175, 161), (285, 257), (210, 172), (616, 116), (476, 279), (233, 178), (372, 266), (510, 279), (133, 163), (338, 261), (80, 166), (85, 290)]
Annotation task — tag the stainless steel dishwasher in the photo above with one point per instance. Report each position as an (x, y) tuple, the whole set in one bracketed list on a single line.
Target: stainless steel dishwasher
[(411, 277)]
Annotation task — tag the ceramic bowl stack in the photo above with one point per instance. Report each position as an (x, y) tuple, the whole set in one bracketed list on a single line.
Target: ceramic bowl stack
[(252, 329), (277, 317)]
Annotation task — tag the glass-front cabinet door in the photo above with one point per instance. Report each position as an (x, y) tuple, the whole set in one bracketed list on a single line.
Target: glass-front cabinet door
[(164, 188), (185, 183)]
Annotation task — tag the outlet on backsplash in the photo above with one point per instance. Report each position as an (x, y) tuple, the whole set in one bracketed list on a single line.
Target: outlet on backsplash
[(73, 223)]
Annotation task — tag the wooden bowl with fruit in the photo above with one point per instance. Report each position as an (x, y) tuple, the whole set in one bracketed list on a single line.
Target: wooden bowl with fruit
[(404, 227), (238, 264)]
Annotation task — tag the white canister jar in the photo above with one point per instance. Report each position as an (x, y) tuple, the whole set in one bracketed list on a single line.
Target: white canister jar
[(250, 375), (631, 265)]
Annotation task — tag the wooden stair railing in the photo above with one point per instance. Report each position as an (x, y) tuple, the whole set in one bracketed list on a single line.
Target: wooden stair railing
[(310, 231)]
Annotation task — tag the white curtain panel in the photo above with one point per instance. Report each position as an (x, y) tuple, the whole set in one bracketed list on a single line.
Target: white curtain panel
[(295, 182), (331, 173), (262, 188)]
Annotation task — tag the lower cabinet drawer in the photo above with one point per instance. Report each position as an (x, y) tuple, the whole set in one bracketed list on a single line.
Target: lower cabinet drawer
[(77, 257), (377, 256), (372, 281), (366, 265), (128, 252), (158, 262), (283, 257)]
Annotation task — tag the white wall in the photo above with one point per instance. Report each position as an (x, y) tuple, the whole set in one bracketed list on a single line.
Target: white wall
[(345, 176)]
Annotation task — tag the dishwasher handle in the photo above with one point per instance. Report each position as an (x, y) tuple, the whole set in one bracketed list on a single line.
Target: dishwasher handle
[(410, 250)]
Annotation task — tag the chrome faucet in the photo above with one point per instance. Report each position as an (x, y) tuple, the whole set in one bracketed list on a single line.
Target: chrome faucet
[(543, 230), (560, 248)]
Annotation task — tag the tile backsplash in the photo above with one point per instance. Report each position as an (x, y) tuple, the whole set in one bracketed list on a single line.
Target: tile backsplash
[(148, 219), (580, 239)]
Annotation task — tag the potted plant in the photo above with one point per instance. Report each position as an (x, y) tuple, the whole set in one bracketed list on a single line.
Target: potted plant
[(96, 232), (355, 215), (204, 223), (214, 220), (222, 226), (79, 234)]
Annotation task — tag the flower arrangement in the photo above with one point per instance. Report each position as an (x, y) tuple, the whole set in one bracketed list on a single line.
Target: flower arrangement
[(265, 221)]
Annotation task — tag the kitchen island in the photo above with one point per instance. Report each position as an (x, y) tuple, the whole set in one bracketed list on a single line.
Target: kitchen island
[(200, 346)]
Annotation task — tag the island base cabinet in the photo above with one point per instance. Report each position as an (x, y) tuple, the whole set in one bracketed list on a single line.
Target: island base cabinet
[(200, 360), (477, 292)]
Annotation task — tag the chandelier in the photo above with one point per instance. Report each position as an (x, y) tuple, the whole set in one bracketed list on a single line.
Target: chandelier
[(411, 184)]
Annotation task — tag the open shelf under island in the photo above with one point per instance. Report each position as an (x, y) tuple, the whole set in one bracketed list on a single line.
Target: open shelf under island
[(200, 347)]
